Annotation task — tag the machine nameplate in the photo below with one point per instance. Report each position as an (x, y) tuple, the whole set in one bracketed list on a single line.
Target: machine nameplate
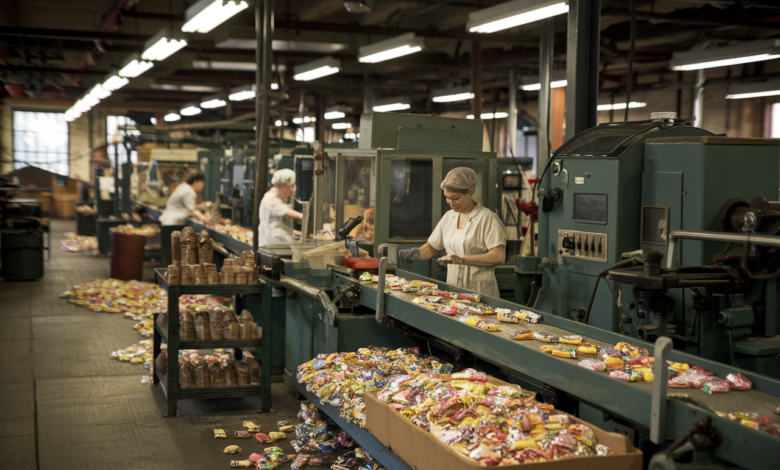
[(583, 245), (579, 180)]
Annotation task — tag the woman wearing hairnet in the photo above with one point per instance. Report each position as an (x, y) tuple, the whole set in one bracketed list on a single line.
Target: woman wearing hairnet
[(473, 237), (276, 216)]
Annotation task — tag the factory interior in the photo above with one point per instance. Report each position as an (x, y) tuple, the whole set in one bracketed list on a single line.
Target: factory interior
[(572, 208)]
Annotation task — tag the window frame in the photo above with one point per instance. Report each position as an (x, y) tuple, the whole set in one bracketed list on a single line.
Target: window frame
[(13, 136)]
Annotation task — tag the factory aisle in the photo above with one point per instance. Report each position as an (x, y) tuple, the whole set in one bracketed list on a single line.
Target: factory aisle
[(65, 404)]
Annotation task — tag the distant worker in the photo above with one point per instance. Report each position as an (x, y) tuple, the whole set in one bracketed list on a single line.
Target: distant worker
[(181, 204), (472, 235), (276, 216)]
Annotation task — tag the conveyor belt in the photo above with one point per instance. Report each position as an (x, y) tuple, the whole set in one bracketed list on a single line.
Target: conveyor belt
[(743, 446)]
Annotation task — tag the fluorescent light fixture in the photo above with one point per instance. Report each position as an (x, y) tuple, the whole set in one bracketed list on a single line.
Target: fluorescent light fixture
[(90, 100), (515, 13), (727, 55), (305, 120), (317, 69), (171, 117), (153, 121), (241, 37), (190, 109), (739, 91), (213, 101), (81, 106), (398, 46), (224, 65), (205, 15), (499, 115), (532, 82), (448, 95), (335, 112), (616, 106), (392, 104), (163, 44), (341, 125), (114, 82), (134, 66), (71, 115), (190, 88), (242, 93), (99, 92)]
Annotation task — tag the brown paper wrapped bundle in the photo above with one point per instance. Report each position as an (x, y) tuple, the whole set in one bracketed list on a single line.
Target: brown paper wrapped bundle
[(174, 275), (186, 274), (241, 278), (232, 330), (205, 247), (176, 248), (186, 328), (222, 278)]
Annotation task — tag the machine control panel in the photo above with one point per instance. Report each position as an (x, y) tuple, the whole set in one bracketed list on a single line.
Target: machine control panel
[(583, 245)]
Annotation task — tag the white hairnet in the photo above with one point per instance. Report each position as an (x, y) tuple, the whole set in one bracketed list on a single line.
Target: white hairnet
[(284, 177), (460, 178)]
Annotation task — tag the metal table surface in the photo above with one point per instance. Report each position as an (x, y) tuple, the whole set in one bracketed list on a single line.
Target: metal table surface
[(742, 445)]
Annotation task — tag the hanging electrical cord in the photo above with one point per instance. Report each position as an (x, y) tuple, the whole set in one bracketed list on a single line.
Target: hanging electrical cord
[(631, 58)]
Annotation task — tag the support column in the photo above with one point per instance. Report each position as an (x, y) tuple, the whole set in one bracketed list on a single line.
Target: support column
[(545, 61), (319, 129), (476, 78), (582, 65), (264, 32), (368, 94), (698, 98), (511, 129)]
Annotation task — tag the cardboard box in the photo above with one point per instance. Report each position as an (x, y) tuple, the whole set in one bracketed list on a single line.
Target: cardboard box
[(422, 451)]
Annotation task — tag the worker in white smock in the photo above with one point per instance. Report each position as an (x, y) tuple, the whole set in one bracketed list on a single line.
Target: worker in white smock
[(472, 235), (181, 204), (276, 216)]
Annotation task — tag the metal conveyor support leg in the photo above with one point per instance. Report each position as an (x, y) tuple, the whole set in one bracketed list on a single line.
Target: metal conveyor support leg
[(380, 291), (663, 346)]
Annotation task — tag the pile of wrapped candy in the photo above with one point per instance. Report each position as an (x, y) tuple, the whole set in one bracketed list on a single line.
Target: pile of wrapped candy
[(491, 424), (753, 420), (315, 433), (140, 353), (340, 379), (238, 232), (220, 369), (78, 243), (113, 296), (146, 230)]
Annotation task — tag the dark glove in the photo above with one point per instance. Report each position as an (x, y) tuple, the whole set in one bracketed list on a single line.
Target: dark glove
[(409, 255)]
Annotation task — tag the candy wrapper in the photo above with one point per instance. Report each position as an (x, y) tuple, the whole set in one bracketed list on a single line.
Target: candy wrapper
[(717, 386), (366, 277), (621, 375), (522, 335), (488, 326), (544, 337), (587, 349), (739, 382), (231, 450), (220, 434), (505, 315), (594, 364), (241, 464), (263, 438), (570, 339)]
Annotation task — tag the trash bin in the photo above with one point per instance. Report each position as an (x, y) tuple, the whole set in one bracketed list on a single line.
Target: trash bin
[(21, 255), (127, 256)]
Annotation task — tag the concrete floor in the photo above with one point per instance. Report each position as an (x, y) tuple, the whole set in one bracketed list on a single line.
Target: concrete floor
[(64, 404)]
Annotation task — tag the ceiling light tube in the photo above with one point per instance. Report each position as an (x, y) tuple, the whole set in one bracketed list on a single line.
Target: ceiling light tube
[(532, 83), (305, 120), (727, 55), (205, 15), (515, 13), (317, 69), (398, 46), (213, 101), (483, 116), (90, 100), (81, 106), (739, 91), (113, 82), (242, 93), (163, 44), (622, 105), (190, 109), (171, 117), (341, 125), (99, 92), (448, 95), (392, 104), (134, 66), (335, 112)]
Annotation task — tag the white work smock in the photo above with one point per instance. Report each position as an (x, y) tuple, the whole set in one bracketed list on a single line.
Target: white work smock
[(275, 227), (181, 203), (483, 232)]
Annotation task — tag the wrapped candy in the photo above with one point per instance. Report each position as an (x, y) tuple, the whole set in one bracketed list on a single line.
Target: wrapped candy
[(621, 375), (242, 435), (366, 277), (523, 334), (570, 339), (613, 362), (587, 349), (220, 434), (263, 438), (450, 311), (241, 464), (739, 382), (505, 315), (482, 325), (544, 337), (594, 364), (717, 386), (231, 450)]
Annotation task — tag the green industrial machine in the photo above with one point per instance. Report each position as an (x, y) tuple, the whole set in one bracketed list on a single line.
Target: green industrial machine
[(662, 211)]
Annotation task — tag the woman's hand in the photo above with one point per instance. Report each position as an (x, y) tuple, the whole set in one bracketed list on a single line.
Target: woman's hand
[(451, 259)]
